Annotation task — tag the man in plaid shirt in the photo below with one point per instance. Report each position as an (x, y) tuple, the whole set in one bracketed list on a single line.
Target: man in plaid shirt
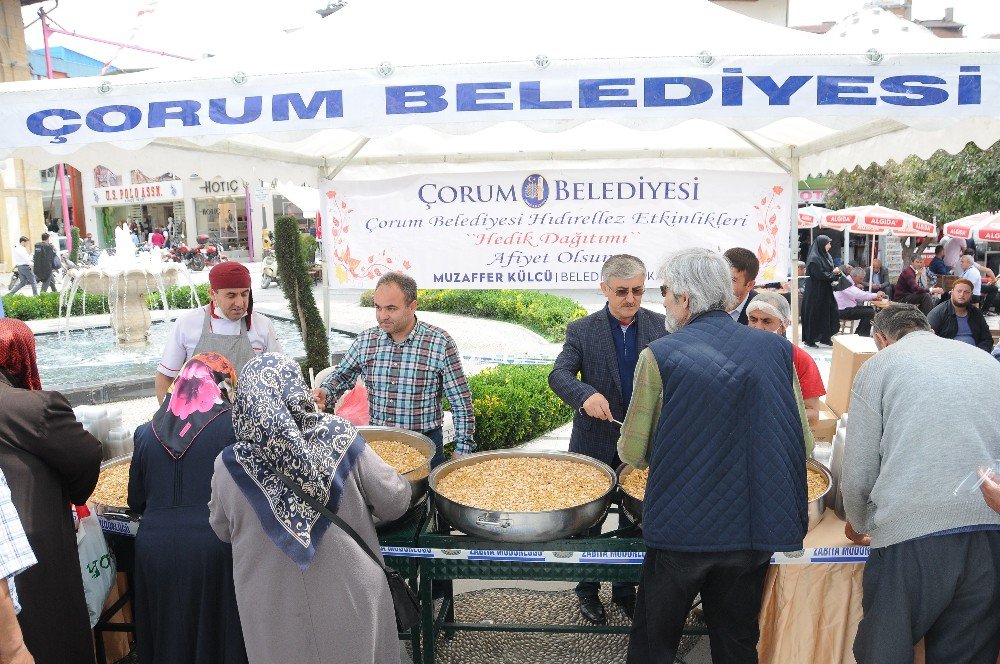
[(407, 366), (15, 557)]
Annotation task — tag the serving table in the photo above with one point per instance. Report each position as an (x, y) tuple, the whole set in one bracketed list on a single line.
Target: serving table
[(446, 554)]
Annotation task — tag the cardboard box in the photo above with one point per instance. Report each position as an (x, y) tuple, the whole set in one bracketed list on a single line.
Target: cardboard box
[(824, 429), (850, 351)]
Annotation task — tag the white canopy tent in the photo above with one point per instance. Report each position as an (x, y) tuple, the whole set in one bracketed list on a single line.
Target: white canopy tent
[(388, 87)]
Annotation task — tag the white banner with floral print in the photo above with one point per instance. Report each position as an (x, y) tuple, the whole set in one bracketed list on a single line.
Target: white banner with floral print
[(547, 229)]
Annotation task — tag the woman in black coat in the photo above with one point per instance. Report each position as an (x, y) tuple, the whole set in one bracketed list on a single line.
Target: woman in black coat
[(185, 601), (49, 461), (820, 320)]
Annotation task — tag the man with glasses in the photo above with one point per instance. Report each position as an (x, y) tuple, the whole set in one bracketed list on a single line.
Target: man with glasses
[(593, 374)]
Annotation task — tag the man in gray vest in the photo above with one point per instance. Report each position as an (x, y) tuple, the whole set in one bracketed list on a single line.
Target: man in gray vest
[(934, 568), (718, 418), (602, 350)]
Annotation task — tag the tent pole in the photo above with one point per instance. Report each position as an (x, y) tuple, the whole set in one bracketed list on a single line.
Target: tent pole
[(329, 175), (793, 233), (793, 245), (780, 164)]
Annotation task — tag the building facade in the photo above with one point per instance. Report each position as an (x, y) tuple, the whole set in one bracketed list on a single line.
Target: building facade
[(21, 210)]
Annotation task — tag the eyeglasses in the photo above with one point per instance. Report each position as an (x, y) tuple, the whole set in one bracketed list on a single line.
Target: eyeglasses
[(663, 290), (623, 292)]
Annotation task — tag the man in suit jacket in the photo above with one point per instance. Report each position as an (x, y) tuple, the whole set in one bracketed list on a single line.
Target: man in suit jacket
[(603, 349), (881, 282), (744, 266)]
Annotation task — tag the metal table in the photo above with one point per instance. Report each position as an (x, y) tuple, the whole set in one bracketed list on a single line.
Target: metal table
[(445, 554), (399, 536)]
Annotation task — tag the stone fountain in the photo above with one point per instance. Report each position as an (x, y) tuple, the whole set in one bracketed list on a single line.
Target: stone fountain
[(126, 278)]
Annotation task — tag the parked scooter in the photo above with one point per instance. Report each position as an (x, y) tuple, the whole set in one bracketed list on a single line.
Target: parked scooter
[(269, 269)]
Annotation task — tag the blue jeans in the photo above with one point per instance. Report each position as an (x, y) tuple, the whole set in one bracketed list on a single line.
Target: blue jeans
[(437, 437)]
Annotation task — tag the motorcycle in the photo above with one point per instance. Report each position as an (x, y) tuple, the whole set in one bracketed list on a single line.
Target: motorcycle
[(190, 257), (269, 269), (212, 249)]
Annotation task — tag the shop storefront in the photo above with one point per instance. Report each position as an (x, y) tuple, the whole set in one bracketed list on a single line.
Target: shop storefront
[(146, 202), (221, 208)]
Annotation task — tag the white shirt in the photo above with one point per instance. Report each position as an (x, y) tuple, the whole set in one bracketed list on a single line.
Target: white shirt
[(973, 275), (186, 333), (735, 313), (21, 255)]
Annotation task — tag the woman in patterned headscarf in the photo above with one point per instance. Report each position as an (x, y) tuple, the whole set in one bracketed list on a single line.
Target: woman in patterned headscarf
[(50, 462), (185, 604), (309, 591)]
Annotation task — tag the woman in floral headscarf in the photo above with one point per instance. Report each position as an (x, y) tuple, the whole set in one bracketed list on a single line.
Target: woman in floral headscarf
[(185, 605), (49, 461), (309, 591)]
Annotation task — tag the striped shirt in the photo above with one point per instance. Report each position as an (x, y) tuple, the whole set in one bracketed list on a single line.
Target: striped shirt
[(15, 552), (406, 381)]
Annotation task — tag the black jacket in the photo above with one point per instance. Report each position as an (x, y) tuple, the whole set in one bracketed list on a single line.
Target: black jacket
[(743, 320), (44, 257), (944, 322)]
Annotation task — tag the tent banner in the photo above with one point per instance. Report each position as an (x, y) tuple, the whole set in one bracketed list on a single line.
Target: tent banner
[(917, 88), (547, 229)]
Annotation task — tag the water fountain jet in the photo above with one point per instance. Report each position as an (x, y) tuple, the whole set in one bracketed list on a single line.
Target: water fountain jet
[(126, 278)]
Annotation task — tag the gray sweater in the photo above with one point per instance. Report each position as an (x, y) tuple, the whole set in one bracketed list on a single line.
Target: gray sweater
[(910, 442)]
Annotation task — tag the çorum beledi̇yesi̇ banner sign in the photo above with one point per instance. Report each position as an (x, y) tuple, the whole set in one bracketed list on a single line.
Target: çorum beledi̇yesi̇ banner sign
[(547, 229)]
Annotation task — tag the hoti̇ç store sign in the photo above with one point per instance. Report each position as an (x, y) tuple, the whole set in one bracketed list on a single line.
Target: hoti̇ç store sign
[(222, 187)]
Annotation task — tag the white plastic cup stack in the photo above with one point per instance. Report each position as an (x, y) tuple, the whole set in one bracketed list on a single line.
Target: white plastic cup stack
[(117, 442), (115, 418), (101, 423)]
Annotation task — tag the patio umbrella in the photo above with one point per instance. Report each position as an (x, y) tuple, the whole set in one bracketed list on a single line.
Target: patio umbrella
[(984, 226), (878, 221), (810, 216)]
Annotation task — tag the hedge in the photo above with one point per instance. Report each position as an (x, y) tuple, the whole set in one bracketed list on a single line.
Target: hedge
[(46, 305), (546, 314), (514, 404)]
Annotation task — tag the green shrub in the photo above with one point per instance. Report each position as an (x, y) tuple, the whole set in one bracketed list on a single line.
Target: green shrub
[(46, 305), (74, 253), (308, 246), (546, 314), (296, 283), (513, 404), (179, 297)]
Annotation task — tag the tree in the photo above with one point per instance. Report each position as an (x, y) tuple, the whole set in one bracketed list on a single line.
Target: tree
[(74, 252), (296, 283)]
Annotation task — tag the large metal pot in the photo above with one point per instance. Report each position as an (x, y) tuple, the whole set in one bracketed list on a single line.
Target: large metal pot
[(116, 518), (818, 505), (628, 502), (417, 477), (522, 526)]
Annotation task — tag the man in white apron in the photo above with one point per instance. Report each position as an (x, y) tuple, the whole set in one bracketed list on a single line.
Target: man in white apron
[(228, 325)]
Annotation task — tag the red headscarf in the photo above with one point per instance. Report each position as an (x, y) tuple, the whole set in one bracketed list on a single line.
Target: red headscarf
[(232, 275), (17, 354)]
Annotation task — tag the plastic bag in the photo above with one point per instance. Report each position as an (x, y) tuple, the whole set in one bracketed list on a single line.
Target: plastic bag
[(353, 406), (96, 564)]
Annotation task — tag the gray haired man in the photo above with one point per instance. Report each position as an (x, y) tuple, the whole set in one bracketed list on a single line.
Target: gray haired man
[(718, 420), (593, 374), (934, 568)]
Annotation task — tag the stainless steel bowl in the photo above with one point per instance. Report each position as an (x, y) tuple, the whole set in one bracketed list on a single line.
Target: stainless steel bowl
[(417, 477), (522, 526), (818, 505), (628, 502)]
